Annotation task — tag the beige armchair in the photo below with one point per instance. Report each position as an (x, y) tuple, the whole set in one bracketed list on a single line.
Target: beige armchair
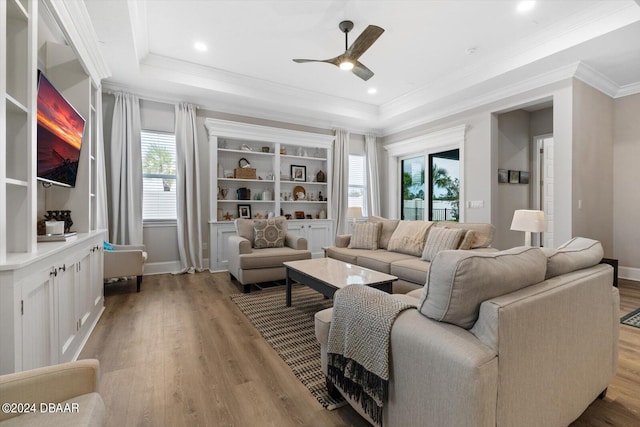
[(250, 265), (125, 261), (73, 385)]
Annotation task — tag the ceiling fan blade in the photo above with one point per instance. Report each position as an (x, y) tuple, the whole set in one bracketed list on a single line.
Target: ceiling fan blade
[(364, 41), (335, 61), (361, 71)]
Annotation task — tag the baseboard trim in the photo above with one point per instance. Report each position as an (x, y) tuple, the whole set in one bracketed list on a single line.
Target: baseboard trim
[(629, 273), (151, 268)]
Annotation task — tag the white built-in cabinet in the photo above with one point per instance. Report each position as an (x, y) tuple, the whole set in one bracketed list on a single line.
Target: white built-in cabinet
[(51, 294), (272, 152)]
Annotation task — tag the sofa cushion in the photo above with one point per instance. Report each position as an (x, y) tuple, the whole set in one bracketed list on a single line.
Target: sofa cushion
[(411, 270), (576, 254), (244, 228), (388, 227), (459, 281), (441, 239), (345, 254), (483, 231), (270, 232), (365, 236), (271, 257), (409, 237), (380, 260)]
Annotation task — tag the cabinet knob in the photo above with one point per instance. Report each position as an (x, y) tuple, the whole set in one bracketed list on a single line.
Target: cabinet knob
[(64, 267)]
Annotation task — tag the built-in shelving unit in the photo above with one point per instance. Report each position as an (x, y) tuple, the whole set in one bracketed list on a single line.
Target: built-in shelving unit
[(272, 152), (51, 293)]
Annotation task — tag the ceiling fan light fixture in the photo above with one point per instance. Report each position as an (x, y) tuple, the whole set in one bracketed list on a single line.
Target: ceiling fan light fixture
[(346, 65)]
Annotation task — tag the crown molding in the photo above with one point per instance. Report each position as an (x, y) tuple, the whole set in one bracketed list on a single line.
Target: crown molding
[(247, 131), (630, 89), (75, 23), (596, 80)]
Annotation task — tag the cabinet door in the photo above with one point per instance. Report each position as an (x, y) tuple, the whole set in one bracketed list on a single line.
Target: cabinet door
[(82, 286), (220, 234), (97, 274), (67, 320), (38, 321), (297, 229), (318, 237)]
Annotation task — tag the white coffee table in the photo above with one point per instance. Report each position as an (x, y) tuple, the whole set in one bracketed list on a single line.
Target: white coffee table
[(327, 275)]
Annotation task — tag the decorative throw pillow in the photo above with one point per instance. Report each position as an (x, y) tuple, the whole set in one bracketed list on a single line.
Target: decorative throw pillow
[(441, 239), (467, 240), (365, 236), (108, 246), (408, 237), (269, 233), (388, 227)]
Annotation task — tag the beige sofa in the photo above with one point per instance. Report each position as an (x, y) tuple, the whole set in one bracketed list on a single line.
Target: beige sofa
[(74, 386), (410, 269), (513, 338), (249, 264)]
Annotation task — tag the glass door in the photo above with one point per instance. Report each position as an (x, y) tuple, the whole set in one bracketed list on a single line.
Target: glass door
[(444, 186), (413, 189)]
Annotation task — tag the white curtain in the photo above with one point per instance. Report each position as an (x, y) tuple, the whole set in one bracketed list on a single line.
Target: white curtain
[(188, 190), (373, 172), (102, 217), (126, 171), (340, 182)]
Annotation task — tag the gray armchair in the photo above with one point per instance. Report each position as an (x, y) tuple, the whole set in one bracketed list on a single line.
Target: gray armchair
[(125, 261), (250, 265)]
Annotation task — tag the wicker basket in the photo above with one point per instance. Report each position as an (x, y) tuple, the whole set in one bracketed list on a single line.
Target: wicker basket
[(244, 173)]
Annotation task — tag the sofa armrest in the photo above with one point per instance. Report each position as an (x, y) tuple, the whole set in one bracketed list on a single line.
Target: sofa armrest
[(342, 240), (50, 384), (123, 263), (295, 242), (239, 245), (129, 247)]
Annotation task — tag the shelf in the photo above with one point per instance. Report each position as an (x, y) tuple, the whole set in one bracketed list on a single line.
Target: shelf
[(291, 156), (245, 180), (17, 182), (257, 153), (303, 183), (309, 202), (246, 201), (15, 106), (16, 10)]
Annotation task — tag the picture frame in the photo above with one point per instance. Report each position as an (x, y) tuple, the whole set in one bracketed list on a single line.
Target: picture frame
[(524, 177), (298, 173), (299, 214), (514, 177), (244, 211), (503, 176)]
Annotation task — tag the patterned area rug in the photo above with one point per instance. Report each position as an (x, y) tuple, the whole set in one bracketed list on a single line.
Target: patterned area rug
[(632, 319), (290, 331)]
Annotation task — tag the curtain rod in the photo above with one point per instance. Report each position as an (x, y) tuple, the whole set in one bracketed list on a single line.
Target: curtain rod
[(148, 98)]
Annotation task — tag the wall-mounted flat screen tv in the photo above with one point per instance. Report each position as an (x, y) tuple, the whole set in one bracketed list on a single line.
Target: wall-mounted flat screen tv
[(60, 129)]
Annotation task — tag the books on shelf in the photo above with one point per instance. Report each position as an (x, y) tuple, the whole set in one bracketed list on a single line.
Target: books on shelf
[(57, 237)]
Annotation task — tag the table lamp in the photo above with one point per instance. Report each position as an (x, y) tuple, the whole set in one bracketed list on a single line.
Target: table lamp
[(354, 213), (528, 221)]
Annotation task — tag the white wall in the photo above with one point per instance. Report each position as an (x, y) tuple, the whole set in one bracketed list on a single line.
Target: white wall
[(626, 179)]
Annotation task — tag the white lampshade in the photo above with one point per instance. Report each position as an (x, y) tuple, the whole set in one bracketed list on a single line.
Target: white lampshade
[(354, 213), (528, 221)]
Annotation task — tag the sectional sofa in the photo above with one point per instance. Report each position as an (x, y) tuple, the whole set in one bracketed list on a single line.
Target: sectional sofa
[(400, 247), (522, 337)]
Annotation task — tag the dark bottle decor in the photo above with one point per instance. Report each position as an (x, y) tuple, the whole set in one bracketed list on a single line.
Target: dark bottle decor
[(62, 215)]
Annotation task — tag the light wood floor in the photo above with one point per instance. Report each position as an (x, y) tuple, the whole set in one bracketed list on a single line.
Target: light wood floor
[(181, 353)]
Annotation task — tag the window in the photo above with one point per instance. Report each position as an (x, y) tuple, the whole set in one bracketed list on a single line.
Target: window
[(357, 183), (158, 175)]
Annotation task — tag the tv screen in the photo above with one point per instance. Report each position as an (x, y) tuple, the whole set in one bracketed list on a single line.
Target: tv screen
[(60, 129)]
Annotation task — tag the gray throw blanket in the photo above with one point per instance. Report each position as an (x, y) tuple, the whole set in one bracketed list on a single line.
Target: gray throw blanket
[(359, 341)]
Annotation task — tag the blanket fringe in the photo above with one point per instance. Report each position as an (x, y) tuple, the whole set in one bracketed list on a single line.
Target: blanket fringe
[(365, 387)]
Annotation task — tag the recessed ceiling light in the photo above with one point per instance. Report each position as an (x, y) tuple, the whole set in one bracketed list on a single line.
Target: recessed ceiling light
[(372, 90), (199, 46), (526, 6)]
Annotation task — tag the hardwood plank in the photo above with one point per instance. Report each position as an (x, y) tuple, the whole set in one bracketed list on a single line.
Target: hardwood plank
[(180, 352)]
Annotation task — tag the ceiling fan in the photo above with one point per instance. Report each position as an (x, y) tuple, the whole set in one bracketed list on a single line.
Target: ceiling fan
[(349, 59)]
